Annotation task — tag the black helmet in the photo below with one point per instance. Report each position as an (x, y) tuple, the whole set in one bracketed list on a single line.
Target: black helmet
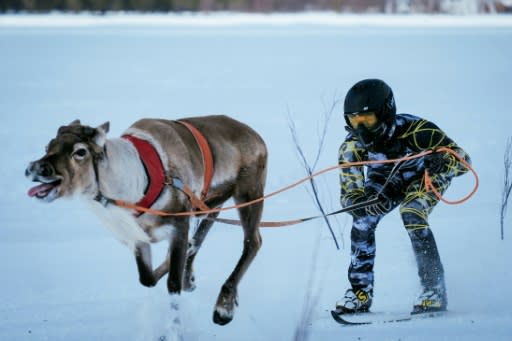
[(371, 95)]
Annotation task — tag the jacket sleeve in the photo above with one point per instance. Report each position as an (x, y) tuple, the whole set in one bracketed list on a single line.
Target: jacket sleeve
[(424, 135), (351, 178)]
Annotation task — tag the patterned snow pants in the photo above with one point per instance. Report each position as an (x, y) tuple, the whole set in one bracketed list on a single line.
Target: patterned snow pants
[(415, 206)]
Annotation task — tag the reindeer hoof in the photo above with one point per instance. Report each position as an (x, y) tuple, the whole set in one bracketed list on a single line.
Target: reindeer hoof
[(221, 319), (225, 307), (147, 282), (174, 287)]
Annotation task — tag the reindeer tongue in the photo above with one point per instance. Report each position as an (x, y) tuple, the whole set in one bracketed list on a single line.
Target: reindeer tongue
[(40, 190)]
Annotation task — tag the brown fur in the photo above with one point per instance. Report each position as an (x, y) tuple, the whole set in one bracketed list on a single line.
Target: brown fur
[(81, 161)]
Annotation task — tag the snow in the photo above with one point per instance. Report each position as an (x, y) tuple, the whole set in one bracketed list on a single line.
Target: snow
[(64, 277)]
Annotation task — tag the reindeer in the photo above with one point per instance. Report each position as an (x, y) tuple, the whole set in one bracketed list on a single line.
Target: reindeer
[(81, 161)]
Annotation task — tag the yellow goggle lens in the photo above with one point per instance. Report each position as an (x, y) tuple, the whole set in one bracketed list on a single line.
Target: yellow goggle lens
[(368, 119)]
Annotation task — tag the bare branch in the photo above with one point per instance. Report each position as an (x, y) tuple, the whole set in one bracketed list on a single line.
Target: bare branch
[(311, 297), (507, 184), (308, 168)]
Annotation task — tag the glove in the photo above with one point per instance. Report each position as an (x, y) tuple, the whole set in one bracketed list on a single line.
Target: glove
[(360, 212), (436, 163), (383, 206)]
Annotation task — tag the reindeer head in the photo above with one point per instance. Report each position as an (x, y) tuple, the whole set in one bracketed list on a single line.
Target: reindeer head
[(69, 164)]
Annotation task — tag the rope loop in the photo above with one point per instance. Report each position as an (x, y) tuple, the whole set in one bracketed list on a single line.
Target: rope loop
[(429, 186)]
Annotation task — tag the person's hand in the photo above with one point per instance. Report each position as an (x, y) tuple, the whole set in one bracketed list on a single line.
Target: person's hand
[(383, 206), (436, 163), (360, 212)]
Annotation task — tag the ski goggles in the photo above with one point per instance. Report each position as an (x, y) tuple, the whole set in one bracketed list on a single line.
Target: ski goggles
[(368, 119)]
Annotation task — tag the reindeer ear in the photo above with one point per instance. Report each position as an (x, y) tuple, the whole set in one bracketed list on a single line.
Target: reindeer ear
[(101, 134), (75, 123), (105, 126)]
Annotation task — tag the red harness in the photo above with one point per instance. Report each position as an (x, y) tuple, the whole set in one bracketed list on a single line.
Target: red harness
[(156, 171)]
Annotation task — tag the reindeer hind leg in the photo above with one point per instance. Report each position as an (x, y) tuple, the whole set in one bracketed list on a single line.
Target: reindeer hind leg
[(228, 297)]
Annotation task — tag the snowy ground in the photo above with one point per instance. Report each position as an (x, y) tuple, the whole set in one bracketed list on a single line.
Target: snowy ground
[(65, 278)]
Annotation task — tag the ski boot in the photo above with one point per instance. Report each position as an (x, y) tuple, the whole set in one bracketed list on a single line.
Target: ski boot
[(431, 300), (354, 302)]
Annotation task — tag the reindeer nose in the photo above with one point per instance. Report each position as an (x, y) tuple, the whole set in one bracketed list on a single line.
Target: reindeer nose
[(43, 169), (27, 172)]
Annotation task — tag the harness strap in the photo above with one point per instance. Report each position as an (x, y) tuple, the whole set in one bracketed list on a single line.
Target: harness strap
[(194, 200), (206, 154), (154, 170)]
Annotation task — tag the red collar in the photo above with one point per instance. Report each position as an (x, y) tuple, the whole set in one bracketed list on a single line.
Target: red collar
[(154, 170)]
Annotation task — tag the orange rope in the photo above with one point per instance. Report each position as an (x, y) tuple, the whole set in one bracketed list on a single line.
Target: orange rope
[(430, 187), (124, 204)]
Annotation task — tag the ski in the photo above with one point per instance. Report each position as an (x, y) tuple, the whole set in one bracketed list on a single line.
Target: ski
[(376, 318)]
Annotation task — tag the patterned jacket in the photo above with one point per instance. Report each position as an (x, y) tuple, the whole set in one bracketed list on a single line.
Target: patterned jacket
[(409, 134)]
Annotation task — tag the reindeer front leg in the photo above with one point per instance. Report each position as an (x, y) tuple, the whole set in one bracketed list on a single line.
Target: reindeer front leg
[(193, 247), (177, 255), (144, 264), (147, 276)]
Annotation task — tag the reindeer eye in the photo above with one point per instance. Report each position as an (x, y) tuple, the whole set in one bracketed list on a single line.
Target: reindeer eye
[(80, 153)]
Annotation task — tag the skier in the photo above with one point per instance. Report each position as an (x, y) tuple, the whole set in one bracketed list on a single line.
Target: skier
[(376, 132)]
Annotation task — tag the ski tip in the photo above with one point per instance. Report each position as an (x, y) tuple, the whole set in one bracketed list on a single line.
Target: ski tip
[(338, 312), (336, 315), (340, 317)]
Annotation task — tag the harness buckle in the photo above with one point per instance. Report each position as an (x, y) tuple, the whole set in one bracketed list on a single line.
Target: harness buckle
[(174, 182), (103, 200)]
